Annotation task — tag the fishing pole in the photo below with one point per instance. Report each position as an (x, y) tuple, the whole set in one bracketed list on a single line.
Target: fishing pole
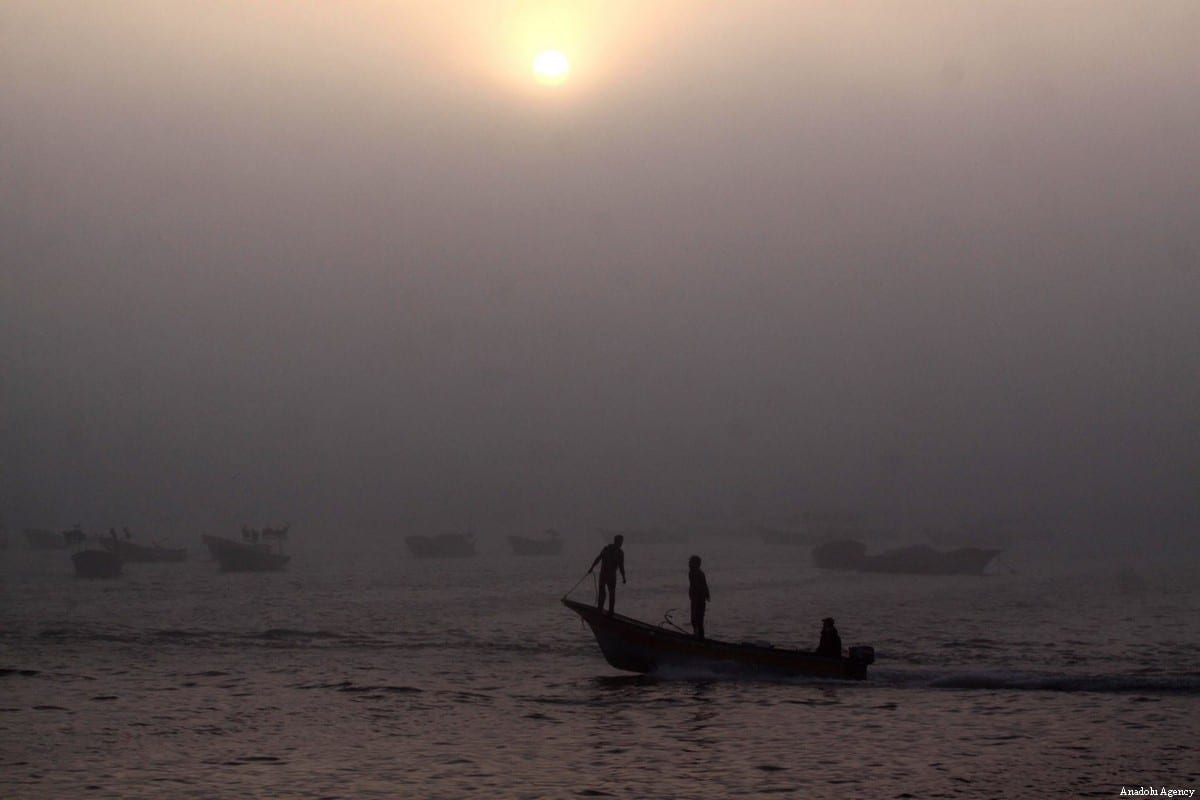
[(576, 586)]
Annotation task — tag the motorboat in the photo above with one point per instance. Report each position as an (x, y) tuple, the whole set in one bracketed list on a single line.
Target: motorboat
[(635, 646), (236, 556)]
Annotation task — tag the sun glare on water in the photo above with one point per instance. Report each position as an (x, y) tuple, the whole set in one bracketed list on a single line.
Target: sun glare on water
[(550, 68)]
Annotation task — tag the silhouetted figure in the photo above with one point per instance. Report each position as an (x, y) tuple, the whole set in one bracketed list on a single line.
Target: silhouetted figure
[(698, 593), (611, 559), (128, 535), (831, 643), (113, 533)]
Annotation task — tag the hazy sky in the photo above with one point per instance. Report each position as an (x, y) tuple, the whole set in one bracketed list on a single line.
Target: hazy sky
[(348, 263)]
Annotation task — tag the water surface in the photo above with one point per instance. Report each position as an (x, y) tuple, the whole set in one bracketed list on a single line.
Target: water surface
[(370, 674)]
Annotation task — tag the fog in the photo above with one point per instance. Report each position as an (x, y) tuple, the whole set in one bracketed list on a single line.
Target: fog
[(344, 264)]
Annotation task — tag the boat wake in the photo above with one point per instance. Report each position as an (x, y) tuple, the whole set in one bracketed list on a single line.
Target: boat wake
[(1014, 680), (980, 680), (698, 673)]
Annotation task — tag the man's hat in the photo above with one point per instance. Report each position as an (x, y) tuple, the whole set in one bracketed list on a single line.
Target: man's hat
[(828, 619)]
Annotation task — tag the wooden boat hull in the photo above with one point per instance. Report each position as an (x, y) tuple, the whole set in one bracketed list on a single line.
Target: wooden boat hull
[(635, 646), (147, 554), (238, 557), (524, 546), (96, 564), (919, 560), (443, 546)]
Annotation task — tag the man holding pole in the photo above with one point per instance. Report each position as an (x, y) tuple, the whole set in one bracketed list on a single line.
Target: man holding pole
[(611, 559)]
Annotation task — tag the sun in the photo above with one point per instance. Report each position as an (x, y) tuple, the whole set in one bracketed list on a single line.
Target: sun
[(550, 68)]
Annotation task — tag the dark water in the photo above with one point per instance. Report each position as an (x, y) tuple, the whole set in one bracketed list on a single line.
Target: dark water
[(371, 674)]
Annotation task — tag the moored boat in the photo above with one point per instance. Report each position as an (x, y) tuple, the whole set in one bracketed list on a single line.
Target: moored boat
[(551, 544), (244, 557), (444, 545), (96, 564), (848, 554), (636, 646)]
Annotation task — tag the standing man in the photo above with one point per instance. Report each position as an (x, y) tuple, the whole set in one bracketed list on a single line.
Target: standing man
[(698, 593), (611, 559)]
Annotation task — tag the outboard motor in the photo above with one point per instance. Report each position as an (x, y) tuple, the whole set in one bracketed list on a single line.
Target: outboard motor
[(863, 653)]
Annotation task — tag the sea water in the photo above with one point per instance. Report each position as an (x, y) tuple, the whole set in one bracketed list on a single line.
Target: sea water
[(362, 672)]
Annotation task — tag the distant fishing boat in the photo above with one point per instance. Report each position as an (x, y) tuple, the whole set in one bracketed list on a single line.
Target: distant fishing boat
[(90, 563), (634, 646), (551, 544), (244, 556), (849, 554), (444, 545), (96, 564)]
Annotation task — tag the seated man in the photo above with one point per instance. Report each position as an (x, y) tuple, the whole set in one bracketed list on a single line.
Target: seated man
[(831, 643)]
